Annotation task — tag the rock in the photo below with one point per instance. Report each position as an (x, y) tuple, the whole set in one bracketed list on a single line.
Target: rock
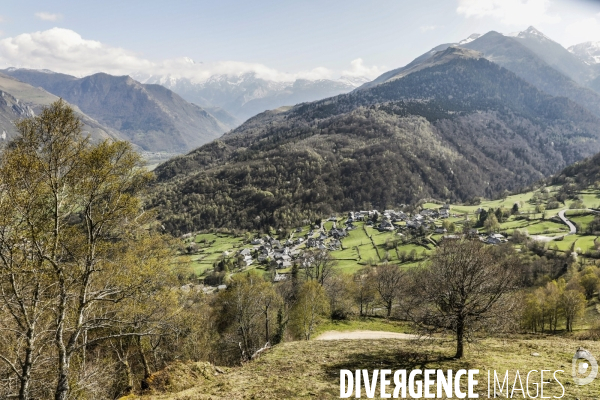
[(535, 354)]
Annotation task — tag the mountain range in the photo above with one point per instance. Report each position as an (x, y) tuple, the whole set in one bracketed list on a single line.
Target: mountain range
[(478, 117), (20, 100), (150, 116), (451, 125), (246, 95)]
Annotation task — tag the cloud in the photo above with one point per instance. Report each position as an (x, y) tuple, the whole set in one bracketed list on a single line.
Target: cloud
[(509, 12), (63, 50), (426, 28), (583, 31), (45, 16), (357, 68), (66, 51)]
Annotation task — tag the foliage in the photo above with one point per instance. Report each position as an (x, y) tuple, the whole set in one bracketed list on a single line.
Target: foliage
[(309, 310), (78, 266)]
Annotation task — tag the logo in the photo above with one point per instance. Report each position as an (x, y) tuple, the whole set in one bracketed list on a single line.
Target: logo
[(585, 367)]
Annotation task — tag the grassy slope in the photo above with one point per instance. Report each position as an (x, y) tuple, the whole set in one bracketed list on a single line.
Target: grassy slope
[(311, 369)]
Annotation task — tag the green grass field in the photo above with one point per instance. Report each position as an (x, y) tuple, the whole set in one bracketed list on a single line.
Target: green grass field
[(582, 221)]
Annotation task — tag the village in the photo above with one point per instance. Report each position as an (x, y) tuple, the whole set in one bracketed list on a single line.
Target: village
[(424, 228)]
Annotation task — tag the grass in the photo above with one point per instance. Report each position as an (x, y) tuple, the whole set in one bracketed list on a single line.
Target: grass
[(348, 266), (585, 243), (565, 244), (298, 370), (582, 221), (364, 324)]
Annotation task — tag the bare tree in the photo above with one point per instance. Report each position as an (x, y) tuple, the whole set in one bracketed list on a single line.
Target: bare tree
[(364, 293), (240, 311), (389, 280), (462, 289), (318, 265)]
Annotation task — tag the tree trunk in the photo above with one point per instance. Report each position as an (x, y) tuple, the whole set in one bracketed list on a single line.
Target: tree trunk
[(268, 334), (460, 331), (389, 309), (27, 366), (128, 377), (147, 372), (62, 386)]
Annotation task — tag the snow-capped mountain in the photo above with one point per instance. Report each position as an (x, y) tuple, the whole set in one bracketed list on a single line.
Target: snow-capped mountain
[(469, 39), (246, 95), (588, 52)]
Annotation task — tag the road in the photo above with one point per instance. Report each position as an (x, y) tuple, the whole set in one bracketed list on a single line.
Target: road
[(561, 215), (336, 335)]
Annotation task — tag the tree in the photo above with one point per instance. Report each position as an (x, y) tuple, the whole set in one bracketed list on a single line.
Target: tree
[(491, 223), (318, 265), (515, 209), (590, 281), (449, 226), (311, 307), (461, 289), (74, 246), (573, 303), (364, 294), (389, 280), (240, 311), (482, 217)]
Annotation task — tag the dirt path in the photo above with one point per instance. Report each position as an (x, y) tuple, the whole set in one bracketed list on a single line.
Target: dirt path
[(336, 335)]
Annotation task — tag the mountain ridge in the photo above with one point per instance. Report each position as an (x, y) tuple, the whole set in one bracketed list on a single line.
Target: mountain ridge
[(150, 116), (457, 129)]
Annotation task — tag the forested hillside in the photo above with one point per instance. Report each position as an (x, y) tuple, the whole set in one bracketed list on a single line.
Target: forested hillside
[(453, 128)]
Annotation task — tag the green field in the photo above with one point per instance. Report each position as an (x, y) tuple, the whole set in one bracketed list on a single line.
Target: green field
[(358, 250), (582, 221)]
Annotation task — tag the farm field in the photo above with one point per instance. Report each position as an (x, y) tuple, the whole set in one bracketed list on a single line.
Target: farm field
[(359, 250)]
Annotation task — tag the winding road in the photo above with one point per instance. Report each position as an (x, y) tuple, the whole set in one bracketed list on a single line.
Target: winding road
[(572, 228)]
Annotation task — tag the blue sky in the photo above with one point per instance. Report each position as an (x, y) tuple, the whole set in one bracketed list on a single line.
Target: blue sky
[(278, 39)]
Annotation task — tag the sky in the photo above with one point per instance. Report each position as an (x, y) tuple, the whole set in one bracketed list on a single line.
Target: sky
[(278, 40)]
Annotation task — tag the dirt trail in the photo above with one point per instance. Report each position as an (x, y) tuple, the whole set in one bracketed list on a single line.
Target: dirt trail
[(336, 335)]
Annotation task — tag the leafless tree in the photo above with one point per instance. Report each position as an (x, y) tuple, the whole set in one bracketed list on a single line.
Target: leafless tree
[(364, 293), (318, 265), (389, 280), (462, 289)]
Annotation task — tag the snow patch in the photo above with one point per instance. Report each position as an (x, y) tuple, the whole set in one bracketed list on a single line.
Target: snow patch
[(470, 38)]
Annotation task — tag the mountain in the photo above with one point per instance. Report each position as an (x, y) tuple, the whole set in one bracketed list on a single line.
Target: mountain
[(246, 95), (581, 175), (555, 55), (453, 128), (20, 100), (588, 52), (512, 54), (398, 71), (150, 116)]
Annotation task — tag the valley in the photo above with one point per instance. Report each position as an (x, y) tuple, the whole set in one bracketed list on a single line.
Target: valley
[(242, 233), (407, 239)]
